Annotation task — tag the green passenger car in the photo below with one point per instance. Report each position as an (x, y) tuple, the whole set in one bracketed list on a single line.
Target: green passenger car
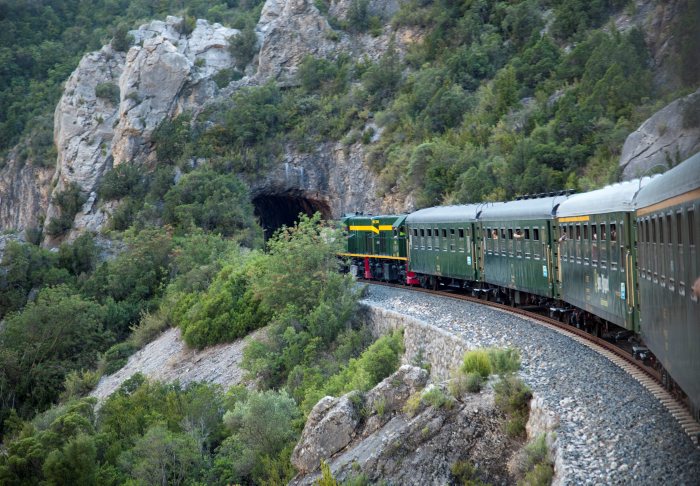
[(517, 245), (443, 244), (595, 254), (668, 231)]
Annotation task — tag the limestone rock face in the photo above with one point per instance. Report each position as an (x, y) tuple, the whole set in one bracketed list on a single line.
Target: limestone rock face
[(24, 193), (389, 445), (290, 30), (329, 428), (665, 139), (164, 73), (114, 101)]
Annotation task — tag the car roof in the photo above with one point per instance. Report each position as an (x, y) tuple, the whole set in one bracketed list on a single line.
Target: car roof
[(681, 179), (609, 199), (445, 214), (535, 208)]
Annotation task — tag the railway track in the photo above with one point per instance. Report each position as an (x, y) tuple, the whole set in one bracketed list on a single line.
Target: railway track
[(645, 375)]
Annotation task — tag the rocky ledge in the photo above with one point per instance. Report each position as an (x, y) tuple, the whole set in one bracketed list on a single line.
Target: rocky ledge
[(372, 435)]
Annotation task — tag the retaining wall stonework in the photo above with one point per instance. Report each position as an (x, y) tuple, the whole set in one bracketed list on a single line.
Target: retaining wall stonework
[(425, 344)]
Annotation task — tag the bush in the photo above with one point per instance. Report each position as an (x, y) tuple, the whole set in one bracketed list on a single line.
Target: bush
[(79, 383), (540, 475), (474, 382), (107, 91), (125, 179), (69, 202), (413, 404), (437, 398), (243, 47), (149, 327), (117, 356), (477, 361), (227, 311), (513, 397), (214, 202), (504, 360), (465, 474)]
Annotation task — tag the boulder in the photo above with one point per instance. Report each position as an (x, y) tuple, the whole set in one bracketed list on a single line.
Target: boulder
[(667, 138), (329, 428)]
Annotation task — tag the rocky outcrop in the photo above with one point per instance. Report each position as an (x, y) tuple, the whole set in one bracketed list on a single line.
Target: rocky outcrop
[(114, 101), (334, 422), (24, 193), (420, 448), (669, 137), (658, 21), (290, 30)]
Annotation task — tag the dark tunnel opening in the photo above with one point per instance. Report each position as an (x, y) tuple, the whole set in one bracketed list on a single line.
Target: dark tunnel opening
[(276, 210)]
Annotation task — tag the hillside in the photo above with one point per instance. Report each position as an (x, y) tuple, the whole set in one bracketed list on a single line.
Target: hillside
[(150, 151)]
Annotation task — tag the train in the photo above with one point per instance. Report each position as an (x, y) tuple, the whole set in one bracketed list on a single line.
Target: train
[(620, 262)]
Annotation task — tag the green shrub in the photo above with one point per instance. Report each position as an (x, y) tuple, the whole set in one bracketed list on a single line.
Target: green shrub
[(225, 76), (474, 382), (437, 398), (79, 383), (243, 47), (458, 385), (413, 404), (540, 475), (227, 311), (149, 327), (515, 425), (107, 91), (125, 179), (326, 478), (69, 202), (504, 360), (477, 361), (513, 397), (465, 474), (117, 356)]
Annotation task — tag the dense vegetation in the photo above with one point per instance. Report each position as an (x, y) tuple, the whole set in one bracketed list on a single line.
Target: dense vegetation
[(216, 292)]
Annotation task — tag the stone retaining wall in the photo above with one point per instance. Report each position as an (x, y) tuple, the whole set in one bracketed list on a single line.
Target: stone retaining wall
[(425, 344)]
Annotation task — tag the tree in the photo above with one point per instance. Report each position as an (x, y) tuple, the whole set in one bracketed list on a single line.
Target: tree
[(58, 333), (214, 202), (164, 457)]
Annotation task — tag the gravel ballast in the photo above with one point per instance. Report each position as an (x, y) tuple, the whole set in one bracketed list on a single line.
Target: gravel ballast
[(612, 430)]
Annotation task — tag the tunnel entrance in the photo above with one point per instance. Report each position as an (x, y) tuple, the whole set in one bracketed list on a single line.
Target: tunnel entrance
[(276, 210)]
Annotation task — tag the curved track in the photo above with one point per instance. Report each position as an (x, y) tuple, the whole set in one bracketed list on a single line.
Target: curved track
[(645, 375)]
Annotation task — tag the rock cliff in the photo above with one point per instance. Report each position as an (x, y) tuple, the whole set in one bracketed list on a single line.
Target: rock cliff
[(372, 435), (667, 138), (113, 102)]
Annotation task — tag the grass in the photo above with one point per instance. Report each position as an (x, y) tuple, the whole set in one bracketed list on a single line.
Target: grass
[(513, 397), (477, 361)]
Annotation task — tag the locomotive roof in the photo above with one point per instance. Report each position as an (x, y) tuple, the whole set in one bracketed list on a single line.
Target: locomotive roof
[(445, 214), (613, 198), (679, 180), (538, 208)]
